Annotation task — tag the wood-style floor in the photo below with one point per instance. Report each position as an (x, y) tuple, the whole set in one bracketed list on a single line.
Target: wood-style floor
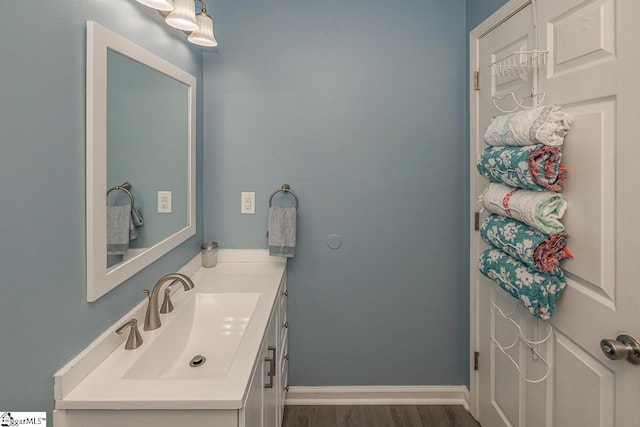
[(378, 416)]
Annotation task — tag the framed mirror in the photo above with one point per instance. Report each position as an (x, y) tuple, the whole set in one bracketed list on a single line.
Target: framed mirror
[(140, 167)]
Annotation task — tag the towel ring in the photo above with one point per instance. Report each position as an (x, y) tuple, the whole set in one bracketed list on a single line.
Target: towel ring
[(123, 187), (284, 189)]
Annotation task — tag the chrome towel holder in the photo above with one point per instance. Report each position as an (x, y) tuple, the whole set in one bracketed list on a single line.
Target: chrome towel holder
[(126, 187), (284, 189)]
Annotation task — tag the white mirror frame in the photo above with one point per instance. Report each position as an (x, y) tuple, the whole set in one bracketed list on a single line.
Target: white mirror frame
[(101, 279)]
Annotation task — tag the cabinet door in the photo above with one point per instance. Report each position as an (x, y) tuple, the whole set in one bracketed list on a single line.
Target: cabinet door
[(270, 380), (283, 383), (252, 413), (283, 352)]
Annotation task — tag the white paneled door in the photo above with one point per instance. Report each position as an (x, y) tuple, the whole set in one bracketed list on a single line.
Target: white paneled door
[(591, 70)]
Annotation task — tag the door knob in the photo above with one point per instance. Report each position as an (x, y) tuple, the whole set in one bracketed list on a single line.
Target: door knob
[(623, 347)]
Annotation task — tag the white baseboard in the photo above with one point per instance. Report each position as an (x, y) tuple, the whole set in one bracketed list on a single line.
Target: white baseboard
[(379, 395)]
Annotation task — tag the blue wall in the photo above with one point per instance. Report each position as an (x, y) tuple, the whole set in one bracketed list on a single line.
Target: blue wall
[(44, 316), (356, 104), (360, 107), (479, 10)]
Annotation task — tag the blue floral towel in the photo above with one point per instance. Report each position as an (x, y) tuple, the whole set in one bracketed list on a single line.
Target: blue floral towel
[(539, 251), (537, 291), (532, 167)]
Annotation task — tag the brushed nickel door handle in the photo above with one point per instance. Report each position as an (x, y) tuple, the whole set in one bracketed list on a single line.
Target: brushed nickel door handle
[(623, 347)]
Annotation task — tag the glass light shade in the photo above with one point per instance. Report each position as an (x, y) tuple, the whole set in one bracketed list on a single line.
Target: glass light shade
[(204, 35), (164, 5), (183, 15)]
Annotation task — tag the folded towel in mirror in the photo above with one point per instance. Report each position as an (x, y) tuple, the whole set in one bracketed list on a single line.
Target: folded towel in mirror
[(282, 231), (136, 218), (118, 229), (136, 221), (546, 125), (537, 291)]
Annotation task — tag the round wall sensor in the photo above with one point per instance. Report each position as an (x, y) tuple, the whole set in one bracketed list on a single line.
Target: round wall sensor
[(334, 241)]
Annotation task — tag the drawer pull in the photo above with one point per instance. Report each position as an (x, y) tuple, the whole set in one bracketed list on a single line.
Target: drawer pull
[(272, 366), (286, 325)]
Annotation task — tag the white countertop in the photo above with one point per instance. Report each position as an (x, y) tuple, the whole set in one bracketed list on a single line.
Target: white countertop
[(105, 388)]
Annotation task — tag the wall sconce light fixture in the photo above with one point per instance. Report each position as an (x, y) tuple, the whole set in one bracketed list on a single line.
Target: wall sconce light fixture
[(164, 5), (181, 14)]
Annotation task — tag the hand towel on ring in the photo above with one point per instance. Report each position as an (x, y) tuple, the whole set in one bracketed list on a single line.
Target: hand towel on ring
[(282, 231)]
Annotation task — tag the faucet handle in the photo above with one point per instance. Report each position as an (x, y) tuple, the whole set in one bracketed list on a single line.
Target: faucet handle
[(147, 292), (167, 306), (135, 339)]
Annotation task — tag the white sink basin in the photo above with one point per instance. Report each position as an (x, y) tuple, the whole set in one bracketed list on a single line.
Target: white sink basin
[(210, 325)]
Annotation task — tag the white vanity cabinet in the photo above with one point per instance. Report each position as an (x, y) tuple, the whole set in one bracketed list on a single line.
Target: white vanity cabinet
[(265, 403), (251, 393)]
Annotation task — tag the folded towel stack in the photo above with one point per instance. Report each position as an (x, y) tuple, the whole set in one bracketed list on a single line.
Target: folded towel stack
[(523, 163)]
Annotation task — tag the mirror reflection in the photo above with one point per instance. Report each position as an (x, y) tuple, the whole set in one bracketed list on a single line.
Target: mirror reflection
[(147, 134)]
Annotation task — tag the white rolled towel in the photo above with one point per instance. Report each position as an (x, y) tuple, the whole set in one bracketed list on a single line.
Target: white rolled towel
[(547, 125), (541, 210)]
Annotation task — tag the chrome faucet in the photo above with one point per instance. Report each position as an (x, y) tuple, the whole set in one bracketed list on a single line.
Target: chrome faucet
[(152, 318)]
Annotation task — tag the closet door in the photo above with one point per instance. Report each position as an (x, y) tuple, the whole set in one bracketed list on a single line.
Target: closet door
[(590, 71)]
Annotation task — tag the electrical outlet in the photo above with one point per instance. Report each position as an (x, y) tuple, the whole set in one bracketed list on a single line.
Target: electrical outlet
[(164, 201), (248, 202)]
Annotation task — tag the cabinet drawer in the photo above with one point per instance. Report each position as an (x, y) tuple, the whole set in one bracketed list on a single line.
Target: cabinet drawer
[(284, 337), (284, 293), (283, 315), (284, 355), (282, 347), (284, 382), (284, 368)]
